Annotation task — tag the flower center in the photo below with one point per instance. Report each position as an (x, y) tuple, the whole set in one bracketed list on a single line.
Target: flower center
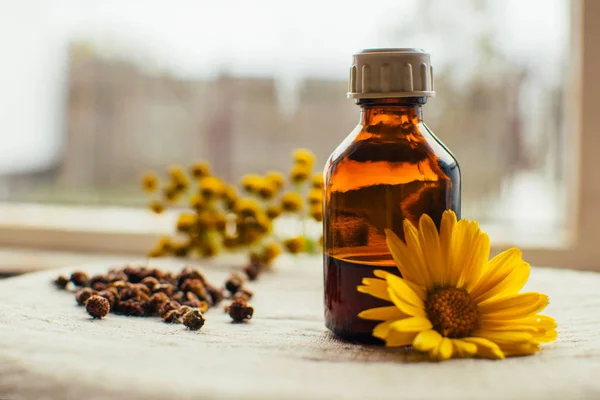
[(452, 312)]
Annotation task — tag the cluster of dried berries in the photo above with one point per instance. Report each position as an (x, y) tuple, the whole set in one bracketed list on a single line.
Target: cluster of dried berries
[(143, 292), (220, 217)]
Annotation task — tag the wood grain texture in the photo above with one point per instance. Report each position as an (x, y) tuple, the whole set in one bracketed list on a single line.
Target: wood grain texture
[(50, 348)]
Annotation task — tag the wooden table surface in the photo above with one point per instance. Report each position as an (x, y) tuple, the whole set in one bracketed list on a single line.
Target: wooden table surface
[(50, 348)]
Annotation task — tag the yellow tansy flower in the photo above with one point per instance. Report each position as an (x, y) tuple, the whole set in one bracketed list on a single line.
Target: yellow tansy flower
[(171, 193), (274, 211), (316, 212), (315, 197), (157, 207), (252, 183), (186, 222), (149, 182), (300, 173), (247, 207), (210, 187), (294, 245), (267, 190), (201, 169), (304, 157), (276, 178), (317, 181), (291, 201), (197, 202), (270, 252), (451, 301), (178, 178)]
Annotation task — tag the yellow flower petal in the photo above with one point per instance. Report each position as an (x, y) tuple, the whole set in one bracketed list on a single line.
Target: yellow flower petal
[(430, 244), (397, 339), (486, 348), (538, 321), (475, 260), (382, 330), (375, 287), (511, 284), (419, 290), (427, 340), (404, 291), (446, 230), (411, 235), (545, 336), (382, 314), (497, 270), (520, 349), (412, 324), (513, 306), (464, 349), (445, 349), (404, 306), (410, 265), (504, 337)]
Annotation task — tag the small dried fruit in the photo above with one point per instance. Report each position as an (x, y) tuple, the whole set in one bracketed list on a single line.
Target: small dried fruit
[(172, 317), (61, 282), (194, 320), (168, 306), (80, 278), (131, 307), (150, 282), (243, 293), (252, 271), (83, 295), (239, 310), (110, 296), (234, 283), (97, 306)]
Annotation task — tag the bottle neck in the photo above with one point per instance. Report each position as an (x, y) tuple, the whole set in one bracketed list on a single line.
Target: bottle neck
[(391, 111)]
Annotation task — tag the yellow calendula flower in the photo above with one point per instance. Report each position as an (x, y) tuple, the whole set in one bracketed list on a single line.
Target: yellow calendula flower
[(291, 201), (149, 182), (299, 173), (201, 169), (276, 178), (304, 157), (451, 301)]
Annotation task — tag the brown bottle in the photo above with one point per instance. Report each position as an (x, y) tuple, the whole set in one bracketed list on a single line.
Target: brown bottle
[(389, 168)]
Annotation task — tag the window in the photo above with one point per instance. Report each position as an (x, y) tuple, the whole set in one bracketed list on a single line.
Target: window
[(96, 93)]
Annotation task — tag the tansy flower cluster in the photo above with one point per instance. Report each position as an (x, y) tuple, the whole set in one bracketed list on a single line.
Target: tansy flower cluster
[(221, 216)]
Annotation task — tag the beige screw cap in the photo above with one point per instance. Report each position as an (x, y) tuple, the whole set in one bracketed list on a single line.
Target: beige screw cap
[(379, 73)]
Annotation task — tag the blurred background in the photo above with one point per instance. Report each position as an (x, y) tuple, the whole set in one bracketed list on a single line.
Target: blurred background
[(94, 93)]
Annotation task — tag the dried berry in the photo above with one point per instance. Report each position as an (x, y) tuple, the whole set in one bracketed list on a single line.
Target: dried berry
[(116, 275), (189, 273), (201, 305), (141, 288), (234, 283), (110, 296), (99, 286), (80, 278), (131, 307), (172, 317), (240, 311), (97, 306), (83, 295), (216, 294), (252, 271), (165, 288), (194, 320), (61, 282), (150, 282), (136, 274), (96, 279), (195, 286), (157, 300), (168, 306)]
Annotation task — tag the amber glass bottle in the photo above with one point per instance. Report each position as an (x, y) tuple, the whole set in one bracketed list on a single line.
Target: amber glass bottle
[(389, 168)]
